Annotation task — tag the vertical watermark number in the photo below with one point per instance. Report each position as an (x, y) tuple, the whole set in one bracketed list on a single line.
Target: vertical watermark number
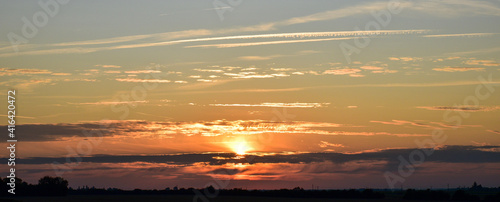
[(11, 140)]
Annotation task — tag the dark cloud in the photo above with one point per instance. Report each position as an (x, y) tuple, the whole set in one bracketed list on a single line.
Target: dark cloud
[(56, 132), (448, 154), (51, 132), (462, 108)]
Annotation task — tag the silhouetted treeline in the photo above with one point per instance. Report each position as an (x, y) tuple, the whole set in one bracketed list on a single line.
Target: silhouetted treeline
[(56, 186), (47, 186), (301, 193), (295, 193), (458, 195), (412, 194)]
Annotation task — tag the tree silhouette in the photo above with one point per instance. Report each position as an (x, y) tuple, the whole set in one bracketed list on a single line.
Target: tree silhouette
[(461, 195), (53, 186)]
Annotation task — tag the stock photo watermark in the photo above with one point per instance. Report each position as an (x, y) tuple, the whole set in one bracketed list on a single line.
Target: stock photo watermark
[(11, 140), (223, 6), (426, 147), (40, 19), (382, 19), (94, 137)]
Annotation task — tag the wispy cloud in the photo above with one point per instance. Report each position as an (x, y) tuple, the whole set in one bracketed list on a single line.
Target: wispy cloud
[(343, 36), (487, 63), (325, 144), (403, 122), (258, 36), (447, 8), (476, 52), (142, 71), (372, 68), (455, 8), (462, 108), (353, 72), (406, 59), (281, 105), (458, 69), (469, 35), (111, 102), (109, 66), (424, 124), (494, 131), (10, 72), (234, 45), (254, 75), (28, 85), (133, 80), (411, 85)]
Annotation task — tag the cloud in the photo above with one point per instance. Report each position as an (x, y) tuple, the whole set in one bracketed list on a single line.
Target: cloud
[(76, 79), (467, 154), (411, 85), (110, 102), (494, 131), (336, 14), (325, 144), (402, 122), (143, 80), (477, 52), (322, 16), (112, 72), (487, 63), (458, 69), (253, 75), (461, 108), (233, 45), (346, 35), (385, 71), (148, 133), (300, 53), (345, 71), (462, 7), (259, 36), (425, 124), (10, 72), (33, 83), (460, 35), (61, 74), (349, 133), (149, 129), (281, 105), (406, 59), (20, 117), (455, 8), (255, 57), (372, 68), (142, 71), (109, 66), (210, 70)]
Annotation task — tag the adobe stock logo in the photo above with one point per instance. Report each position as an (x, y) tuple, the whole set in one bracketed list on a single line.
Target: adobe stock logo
[(406, 167), (39, 20), (381, 20)]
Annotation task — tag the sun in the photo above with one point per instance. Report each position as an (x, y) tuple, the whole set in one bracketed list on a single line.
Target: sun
[(240, 148)]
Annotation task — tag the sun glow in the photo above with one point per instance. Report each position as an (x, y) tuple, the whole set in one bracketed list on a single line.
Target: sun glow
[(240, 147)]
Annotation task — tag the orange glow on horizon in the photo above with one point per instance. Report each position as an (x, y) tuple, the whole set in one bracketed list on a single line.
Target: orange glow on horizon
[(240, 147)]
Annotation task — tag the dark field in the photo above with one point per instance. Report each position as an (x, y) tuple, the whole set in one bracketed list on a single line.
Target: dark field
[(156, 198)]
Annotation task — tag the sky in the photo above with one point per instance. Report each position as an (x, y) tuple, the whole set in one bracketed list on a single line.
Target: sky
[(254, 94)]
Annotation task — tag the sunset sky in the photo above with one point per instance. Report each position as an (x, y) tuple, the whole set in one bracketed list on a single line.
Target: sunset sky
[(263, 94)]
